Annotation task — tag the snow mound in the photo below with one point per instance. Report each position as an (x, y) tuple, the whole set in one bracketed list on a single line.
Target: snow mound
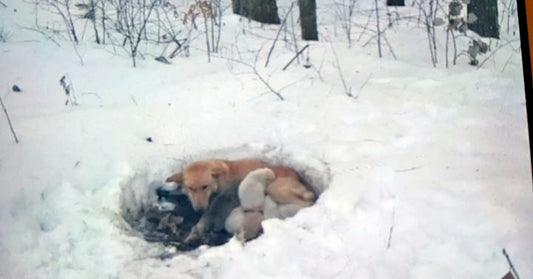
[(148, 214)]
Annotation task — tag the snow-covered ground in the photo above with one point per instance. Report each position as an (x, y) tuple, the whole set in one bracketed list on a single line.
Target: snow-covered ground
[(428, 170)]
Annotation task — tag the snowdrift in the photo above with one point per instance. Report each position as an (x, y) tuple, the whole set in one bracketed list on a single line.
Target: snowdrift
[(139, 193)]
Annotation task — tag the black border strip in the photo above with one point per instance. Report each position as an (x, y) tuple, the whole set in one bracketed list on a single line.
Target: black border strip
[(523, 17)]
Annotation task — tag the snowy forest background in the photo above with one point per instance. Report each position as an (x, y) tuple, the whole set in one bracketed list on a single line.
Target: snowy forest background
[(412, 126)]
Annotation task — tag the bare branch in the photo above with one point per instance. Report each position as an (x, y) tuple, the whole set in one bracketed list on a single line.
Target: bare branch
[(48, 37), (347, 90), (259, 76), (9, 120), (391, 229), (277, 35), (294, 58), (510, 264), (495, 51), (379, 31)]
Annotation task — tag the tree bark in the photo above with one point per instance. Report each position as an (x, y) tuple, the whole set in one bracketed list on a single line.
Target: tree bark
[(308, 19), (486, 14), (264, 11), (395, 3)]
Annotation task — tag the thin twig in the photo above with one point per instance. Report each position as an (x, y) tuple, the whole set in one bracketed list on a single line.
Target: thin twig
[(390, 47), (42, 33), (510, 264), (494, 52), (363, 85), (382, 31), (409, 169), (507, 62), (389, 242), (9, 121), (76, 50), (366, 25), (133, 100), (347, 90), (378, 27), (254, 69), (294, 58), (294, 38), (277, 35), (2, 3)]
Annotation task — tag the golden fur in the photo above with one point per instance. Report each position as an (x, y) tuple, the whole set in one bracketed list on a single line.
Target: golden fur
[(285, 190), (202, 178)]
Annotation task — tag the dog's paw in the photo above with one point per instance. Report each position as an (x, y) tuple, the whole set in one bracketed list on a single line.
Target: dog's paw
[(194, 238)]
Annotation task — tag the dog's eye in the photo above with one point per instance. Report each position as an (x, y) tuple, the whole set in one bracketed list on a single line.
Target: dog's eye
[(205, 187)]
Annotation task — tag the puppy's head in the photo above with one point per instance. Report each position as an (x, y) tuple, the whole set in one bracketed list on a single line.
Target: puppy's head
[(199, 180), (264, 175)]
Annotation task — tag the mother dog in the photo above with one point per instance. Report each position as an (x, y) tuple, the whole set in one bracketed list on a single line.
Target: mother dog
[(201, 179)]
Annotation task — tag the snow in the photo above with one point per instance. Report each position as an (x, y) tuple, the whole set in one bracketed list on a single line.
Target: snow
[(441, 156)]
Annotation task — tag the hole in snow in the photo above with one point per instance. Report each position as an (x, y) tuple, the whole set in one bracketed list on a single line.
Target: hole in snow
[(158, 213)]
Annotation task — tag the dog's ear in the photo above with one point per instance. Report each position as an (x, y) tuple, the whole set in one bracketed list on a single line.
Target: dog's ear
[(217, 171), (177, 177)]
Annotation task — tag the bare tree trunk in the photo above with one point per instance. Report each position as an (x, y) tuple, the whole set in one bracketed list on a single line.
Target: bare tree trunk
[(207, 41), (63, 9), (379, 29), (92, 6), (103, 20), (395, 3), (213, 33), (433, 35), (486, 13), (447, 42), (71, 23), (264, 11), (219, 9), (454, 48), (294, 38), (308, 19)]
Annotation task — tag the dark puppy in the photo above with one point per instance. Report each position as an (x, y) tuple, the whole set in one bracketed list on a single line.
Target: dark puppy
[(214, 218)]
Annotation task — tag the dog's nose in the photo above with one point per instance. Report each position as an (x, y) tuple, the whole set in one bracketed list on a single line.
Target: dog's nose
[(199, 209)]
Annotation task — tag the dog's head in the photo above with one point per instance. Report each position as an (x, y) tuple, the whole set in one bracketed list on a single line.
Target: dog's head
[(199, 180)]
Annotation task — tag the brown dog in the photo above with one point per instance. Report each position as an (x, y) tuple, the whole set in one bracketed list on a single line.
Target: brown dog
[(203, 178), (200, 179)]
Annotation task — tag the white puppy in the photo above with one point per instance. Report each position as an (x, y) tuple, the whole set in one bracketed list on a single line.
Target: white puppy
[(252, 189), (289, 210), (245, 221), (245, 225), (234, 221), (272, 209)]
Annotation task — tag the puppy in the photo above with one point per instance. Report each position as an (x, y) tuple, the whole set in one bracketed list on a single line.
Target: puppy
[(234, 221), (272, 209), (245, 225), (286, 190), (252, 189), (251, 226), (215, 216), (245, 221)]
